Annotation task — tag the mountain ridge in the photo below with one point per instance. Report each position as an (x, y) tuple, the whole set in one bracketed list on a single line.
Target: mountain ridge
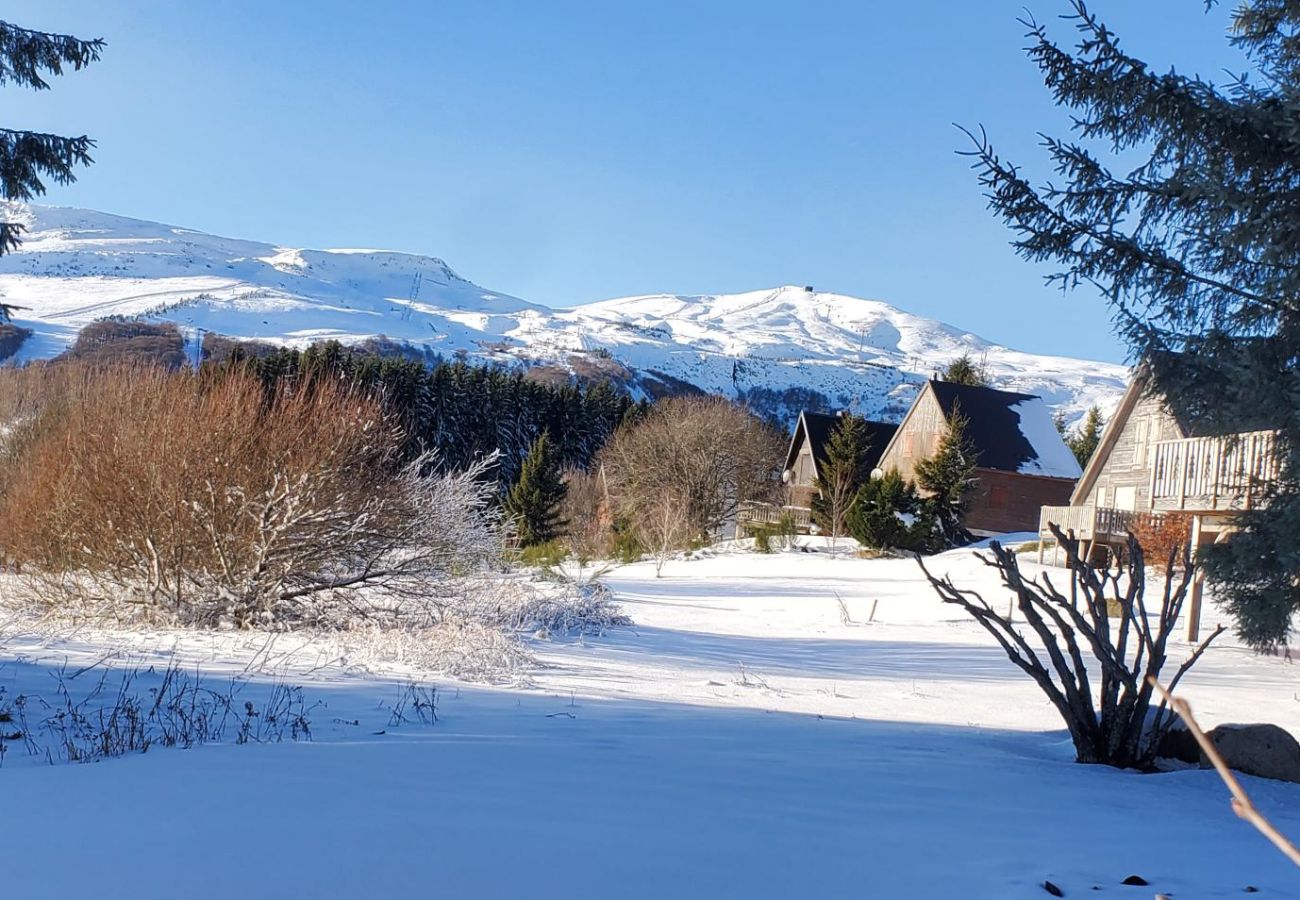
[(779, 348)]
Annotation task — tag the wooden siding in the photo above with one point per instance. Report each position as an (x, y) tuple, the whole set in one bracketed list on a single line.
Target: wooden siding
[(1124, 480), (1001, 501), (803, 472), (917, 438), (1007, 501)]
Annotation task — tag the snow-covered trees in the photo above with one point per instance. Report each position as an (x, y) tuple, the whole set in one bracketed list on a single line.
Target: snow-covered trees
[(1177, 199), (28, 158), (533, 504)]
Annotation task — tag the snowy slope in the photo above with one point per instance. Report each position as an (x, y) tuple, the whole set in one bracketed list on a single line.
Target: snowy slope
[(745, 739), (77, 266)]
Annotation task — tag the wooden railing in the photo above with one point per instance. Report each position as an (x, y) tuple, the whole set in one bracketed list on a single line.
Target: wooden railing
[(751, 513), (1213, 473), (1087, 522)]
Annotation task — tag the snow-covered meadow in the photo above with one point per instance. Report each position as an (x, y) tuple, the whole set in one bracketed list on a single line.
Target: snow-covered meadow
[(779, 725)]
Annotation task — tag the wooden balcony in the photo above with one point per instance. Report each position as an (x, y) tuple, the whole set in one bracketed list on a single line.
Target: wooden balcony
[(1213, 474), (751, 515), (1089, 523)]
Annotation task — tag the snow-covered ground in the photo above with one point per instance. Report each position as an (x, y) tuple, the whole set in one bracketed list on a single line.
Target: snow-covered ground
[(76, 266), (746, 738)]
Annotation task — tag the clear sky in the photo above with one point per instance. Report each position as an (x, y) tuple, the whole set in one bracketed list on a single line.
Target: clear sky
[(567, 152)]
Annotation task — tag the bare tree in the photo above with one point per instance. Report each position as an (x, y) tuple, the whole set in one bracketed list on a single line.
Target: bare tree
[(665, 528), (586, 512), (708, 453), (1129, 647)]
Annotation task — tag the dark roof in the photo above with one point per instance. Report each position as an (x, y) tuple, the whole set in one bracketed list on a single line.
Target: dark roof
[(820, 426), (998, 431)]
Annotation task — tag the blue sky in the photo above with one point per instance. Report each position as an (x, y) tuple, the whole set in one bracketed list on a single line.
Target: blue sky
[(573, 151)]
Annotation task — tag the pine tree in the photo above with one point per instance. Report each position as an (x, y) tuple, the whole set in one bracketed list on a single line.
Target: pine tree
[(1177, 198), (946, 478), (1083, 443), (28, 157), (533, 504), (964, 370), (887, 514), (841, 474)]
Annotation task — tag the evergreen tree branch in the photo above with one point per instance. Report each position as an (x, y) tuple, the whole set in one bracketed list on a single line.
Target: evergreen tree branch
[(27, 55)]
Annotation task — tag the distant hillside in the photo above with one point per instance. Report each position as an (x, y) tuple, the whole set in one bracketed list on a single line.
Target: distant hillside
[(780, 349)]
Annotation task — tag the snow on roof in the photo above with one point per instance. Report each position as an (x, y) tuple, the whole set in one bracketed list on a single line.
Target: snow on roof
[(1052, 457), (1011, 432)]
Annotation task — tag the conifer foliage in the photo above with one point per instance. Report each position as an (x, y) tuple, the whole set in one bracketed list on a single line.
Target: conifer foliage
[(462, 412), (841, 474), (1195, 248), (964, 370), (28, 158), (533, 504), (947, 479), (888, 514), (1083, 442)]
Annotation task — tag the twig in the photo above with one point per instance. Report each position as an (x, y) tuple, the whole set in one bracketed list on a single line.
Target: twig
[(1241, 802)]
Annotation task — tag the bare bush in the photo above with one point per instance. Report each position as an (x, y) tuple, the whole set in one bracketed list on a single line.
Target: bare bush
[(1161, 534), (664, 527), (114, 718), (145, 495), (1118, 725), (705, 452), (588, 534)]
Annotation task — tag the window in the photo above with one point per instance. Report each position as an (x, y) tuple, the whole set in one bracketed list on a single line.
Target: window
[(909, 445)]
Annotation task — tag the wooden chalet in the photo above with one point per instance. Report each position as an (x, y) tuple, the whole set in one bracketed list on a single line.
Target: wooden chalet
[(803, 462), (1022, 463), (1155, 459)]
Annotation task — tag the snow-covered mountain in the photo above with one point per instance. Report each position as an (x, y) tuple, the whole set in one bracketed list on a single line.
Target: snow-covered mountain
[(780, 348)]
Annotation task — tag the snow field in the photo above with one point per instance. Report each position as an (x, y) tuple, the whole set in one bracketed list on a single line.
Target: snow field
[(744, 738)]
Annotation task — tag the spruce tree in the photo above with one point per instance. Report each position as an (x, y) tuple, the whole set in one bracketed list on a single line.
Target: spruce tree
[(1083, 443), (29, 157), (533, 504), (887, 514), (1178, 198), (946, 477), (964, 370), (841, 474)]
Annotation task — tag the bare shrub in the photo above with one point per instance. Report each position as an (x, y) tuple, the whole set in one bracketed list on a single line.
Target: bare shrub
[(589, 533), (703, 453), (1118, 725), (115, 718), (1160, 535), (143, 494)]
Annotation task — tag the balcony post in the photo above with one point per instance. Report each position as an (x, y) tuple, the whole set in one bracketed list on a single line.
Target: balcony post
[(1198, 586)]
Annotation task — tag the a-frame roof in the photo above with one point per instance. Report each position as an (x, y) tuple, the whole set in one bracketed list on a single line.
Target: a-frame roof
[(1010, 431), (816, 428)]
